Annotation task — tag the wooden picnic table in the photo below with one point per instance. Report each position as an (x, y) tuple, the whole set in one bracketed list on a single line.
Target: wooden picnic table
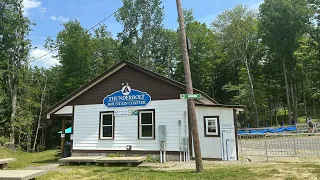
[(20, 174), (4, 162)]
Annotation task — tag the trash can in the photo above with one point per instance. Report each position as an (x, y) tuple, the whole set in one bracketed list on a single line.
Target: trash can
[(67, 150)]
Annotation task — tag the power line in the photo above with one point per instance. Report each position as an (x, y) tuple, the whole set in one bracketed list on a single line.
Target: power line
[(87, 31)]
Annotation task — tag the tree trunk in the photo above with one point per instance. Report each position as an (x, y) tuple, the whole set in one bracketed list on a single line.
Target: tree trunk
[(314, 109), (252, 93), (270, 111), (213, 80), (13, 110), (284, 108), (304, 102), (287, 89), (276, 114), (296, 102), (43, 94)]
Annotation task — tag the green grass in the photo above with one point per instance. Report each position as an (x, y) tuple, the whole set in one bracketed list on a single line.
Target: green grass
[(212, 171), (96, 172), (25, 159)]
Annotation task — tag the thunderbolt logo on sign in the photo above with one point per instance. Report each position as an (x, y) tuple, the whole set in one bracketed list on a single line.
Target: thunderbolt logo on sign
[(127, 97), (126, 90)]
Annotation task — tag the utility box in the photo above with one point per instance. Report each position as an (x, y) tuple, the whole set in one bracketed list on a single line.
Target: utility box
[(163, 133)]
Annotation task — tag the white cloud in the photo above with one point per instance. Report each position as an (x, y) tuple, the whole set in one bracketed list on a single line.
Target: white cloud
[(43, 10), (30, 4), (60, 18), (46, 61), (256, 5)]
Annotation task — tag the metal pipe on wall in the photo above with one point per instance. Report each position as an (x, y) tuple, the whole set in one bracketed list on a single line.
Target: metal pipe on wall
[(164, 152), (185, 149), (160, 151), (180, 149)]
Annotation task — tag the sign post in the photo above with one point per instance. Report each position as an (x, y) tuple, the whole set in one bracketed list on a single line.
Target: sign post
[(190, 96)]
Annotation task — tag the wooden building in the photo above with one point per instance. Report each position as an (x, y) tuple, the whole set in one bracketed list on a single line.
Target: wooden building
[(131, 110)]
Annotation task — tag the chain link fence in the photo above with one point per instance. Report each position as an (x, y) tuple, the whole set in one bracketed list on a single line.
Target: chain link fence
[(279, 147)]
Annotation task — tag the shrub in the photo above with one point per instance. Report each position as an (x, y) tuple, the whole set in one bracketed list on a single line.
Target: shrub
[(152, 159), (115, 155), (3, 140)]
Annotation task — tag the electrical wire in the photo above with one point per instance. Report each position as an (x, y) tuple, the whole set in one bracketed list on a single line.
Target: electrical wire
[(35, 59)]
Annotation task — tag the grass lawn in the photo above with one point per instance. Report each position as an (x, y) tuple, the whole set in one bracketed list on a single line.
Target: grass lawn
[(25, 159), (219, 170), (286, 171), (143, 173)]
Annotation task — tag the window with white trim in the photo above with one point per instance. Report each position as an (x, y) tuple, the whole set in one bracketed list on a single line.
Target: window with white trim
[(146, 124), (212, 126), (106, 125)]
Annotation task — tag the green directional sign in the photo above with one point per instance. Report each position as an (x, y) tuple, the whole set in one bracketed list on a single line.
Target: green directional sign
[(190, 96)]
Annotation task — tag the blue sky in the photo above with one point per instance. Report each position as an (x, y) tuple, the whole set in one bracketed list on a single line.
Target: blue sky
[(48, 15)]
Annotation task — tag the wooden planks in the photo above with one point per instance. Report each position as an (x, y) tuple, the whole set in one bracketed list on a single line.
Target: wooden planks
[(121, 159), (80, 159), (4, 162), (101, 159), (20, 174)]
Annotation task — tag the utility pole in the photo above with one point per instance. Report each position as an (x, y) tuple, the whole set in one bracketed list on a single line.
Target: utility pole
[(189, 88)]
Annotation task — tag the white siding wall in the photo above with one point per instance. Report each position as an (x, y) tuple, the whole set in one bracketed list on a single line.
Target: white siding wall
[(211, 146), (86, 127), (65, 110)]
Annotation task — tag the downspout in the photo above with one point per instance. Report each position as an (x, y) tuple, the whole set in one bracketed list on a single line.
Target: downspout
[(180, 149), (185, 149)]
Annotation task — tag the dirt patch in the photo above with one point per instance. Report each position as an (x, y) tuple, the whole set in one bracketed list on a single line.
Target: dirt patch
[(48, 167)]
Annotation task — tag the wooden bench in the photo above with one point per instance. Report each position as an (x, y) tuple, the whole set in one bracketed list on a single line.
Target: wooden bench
[(4, 162), (20, 174), (80, 159), (128, 160)]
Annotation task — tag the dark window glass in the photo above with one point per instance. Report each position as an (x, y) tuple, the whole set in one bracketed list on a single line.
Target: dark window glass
[(107, 131), (107, 119), (146, 131), (146, 118), (212, 127)]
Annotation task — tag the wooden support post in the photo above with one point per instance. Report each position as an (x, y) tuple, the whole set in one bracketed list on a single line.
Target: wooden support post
[(63, 135), (3, 166)]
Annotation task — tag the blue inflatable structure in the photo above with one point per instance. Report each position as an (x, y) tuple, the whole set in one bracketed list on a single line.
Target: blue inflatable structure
[(268, 130)]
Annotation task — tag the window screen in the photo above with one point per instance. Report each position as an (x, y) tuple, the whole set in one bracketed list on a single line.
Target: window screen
[(146, 123), (106, 125)]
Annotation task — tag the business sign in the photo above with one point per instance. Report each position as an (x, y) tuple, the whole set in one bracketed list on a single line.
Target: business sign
[(127, 97), (121, 113), (190, 96)]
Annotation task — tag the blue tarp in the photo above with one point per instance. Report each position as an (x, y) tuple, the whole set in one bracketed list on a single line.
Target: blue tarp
[(67, 131), (269, 130)]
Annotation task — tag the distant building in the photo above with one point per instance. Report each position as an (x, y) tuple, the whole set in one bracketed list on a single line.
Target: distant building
[(131, 107)]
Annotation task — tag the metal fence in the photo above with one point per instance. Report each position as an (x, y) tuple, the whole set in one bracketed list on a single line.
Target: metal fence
[(275, 146)]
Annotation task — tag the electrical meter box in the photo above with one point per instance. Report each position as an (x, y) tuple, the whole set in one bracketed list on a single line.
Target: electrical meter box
[(163, 133)]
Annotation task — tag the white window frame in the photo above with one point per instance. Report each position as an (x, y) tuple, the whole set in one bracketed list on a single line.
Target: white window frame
[(216, 119), (101, 125), (152, 123)]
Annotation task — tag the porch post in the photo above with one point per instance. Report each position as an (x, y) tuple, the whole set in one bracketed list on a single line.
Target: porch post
[(63, 135)]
